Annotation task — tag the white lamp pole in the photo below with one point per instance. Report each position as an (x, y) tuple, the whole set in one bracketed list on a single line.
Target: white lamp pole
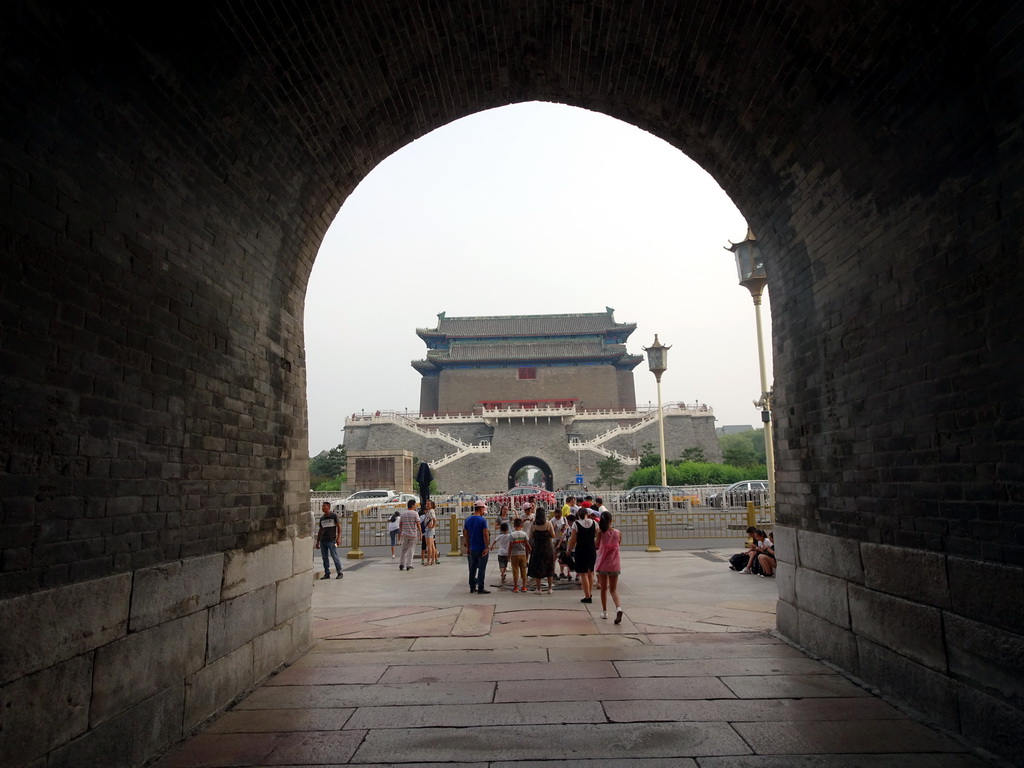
[(750, 266), (657, 360)]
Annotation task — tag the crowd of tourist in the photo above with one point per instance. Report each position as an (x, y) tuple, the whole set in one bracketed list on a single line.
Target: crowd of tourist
[(574, 543)]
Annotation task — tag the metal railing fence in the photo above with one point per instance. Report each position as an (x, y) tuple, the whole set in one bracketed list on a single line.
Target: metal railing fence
[(644, 529)]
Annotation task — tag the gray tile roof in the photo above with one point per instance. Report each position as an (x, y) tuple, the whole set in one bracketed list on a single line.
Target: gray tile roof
[(526, 325), (529, 350)]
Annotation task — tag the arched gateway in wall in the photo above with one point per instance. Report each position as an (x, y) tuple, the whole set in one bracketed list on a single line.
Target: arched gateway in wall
[(166, 184), (532, 461)]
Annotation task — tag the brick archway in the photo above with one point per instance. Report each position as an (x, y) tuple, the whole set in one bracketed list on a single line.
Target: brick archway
[(167, 184), (531, 461)]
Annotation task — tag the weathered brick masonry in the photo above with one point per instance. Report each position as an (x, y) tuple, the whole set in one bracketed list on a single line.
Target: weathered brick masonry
[(166, 182)]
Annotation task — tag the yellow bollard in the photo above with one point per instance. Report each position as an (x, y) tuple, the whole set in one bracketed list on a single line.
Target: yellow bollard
[(355, 553), (751, 521), (453, 534), (652, 532)]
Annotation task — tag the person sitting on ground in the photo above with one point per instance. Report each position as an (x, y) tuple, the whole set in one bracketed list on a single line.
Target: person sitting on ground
[(753, 564), (766, 558), (743, 561)]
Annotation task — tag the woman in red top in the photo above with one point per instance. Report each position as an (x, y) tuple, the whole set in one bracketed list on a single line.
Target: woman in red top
[(608, 565)]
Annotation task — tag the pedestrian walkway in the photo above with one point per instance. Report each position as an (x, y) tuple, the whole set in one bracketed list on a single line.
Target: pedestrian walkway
[(411, 669)]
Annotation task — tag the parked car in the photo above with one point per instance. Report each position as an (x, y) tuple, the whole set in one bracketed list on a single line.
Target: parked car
[(362, 499), (394, 503), (516, 497), (738, 494), (644, 497)]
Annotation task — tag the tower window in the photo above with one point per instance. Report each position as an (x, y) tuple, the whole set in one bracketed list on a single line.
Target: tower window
[(527, 373)]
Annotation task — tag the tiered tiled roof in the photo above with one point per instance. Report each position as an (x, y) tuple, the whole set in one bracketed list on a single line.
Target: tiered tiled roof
[(527, 325), (594, 337)]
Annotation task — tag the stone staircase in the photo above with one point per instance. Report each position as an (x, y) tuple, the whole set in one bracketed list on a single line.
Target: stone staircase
[(463, 447), (596, 444)]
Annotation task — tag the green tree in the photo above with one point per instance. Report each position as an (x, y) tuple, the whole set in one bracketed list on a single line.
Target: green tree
[(329, 463), (739, 450), (743, 448), (648, 456), (328, 467), (610, 472), (694, 453), (695, 473)]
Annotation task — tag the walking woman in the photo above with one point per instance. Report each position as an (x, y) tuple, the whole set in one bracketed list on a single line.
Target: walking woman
[(608, 566), (393, 526), (583, 546), (429, 532), (542, 556)]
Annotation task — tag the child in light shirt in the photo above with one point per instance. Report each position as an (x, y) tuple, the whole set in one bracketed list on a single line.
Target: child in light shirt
[(501, 541)]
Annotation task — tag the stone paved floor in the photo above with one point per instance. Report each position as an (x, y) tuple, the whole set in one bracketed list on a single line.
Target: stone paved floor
[(410, 669)]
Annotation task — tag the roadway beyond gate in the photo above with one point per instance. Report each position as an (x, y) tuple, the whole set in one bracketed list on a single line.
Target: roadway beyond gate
[(408, 666)]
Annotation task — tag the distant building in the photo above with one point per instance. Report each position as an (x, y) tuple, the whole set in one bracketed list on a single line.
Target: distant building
[(524, 361), (501, 393), (733, 429)]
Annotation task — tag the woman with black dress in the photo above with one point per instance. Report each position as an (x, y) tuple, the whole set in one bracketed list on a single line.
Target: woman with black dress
[(584, 553), (542, 556)]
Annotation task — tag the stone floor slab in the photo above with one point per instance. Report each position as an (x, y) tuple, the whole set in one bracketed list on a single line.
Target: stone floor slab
[(554, 742), (280, 720), (474, 621), (716, 638), (641, 762), (356, 645), (695, 688), (849, 737), (792, 686), (475, 715), (677, 651), (433, 626), (421, 658), (311, 748), (216, 750), (847, 761), (750, 710), (329, 675), (336, 696), (615, 689), (511, 642), (519, 670), (721, 667)]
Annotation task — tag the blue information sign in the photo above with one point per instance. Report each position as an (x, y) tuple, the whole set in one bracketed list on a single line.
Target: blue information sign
[(579, 479)]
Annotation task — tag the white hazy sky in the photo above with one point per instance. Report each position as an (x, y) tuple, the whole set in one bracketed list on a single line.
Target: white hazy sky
[(530, 209)]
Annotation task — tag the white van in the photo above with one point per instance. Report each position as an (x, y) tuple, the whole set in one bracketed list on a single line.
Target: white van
[(361, 499)]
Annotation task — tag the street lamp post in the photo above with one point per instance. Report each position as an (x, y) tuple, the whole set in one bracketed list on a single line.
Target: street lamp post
[(657, 360), (750, 266)]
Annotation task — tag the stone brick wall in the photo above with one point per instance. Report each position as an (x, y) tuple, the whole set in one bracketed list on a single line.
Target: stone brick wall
[(595, 386), (166, 182), (133, 660), (924, 627), (512, 441)]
